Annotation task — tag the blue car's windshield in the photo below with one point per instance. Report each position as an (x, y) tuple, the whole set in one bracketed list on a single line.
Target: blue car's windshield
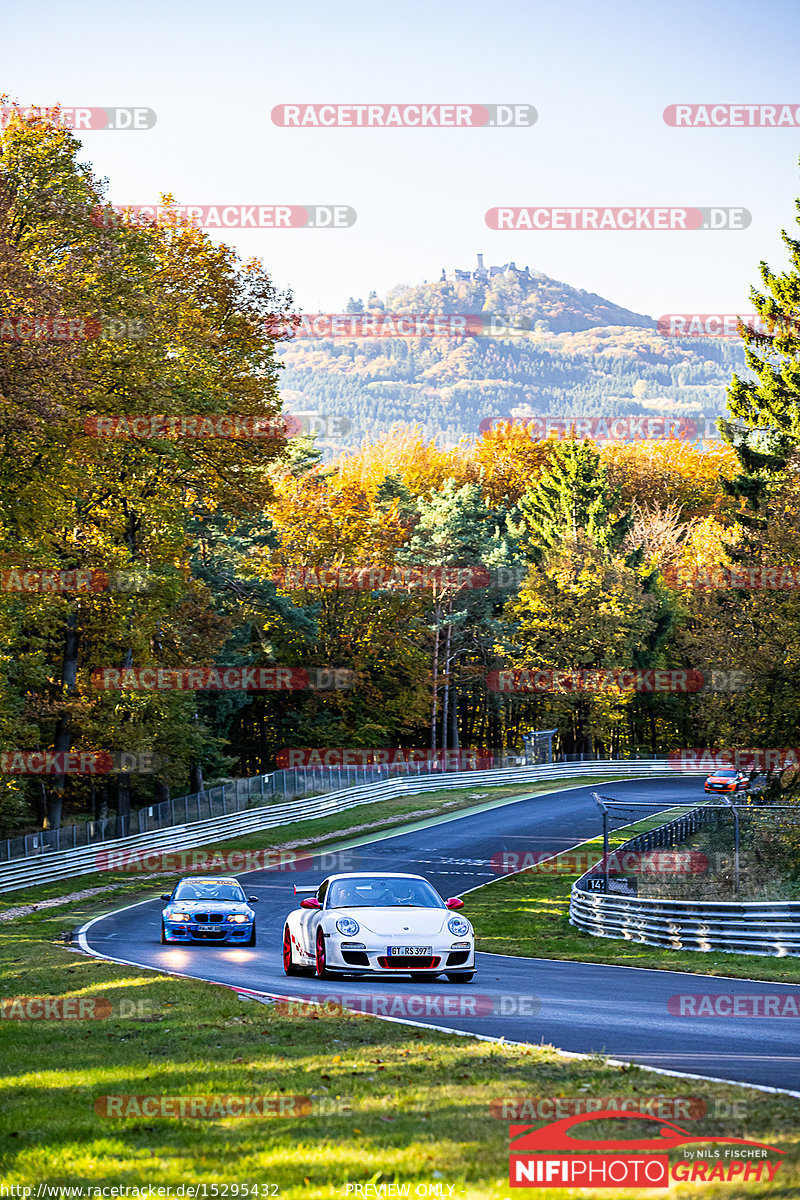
[(374, 891), (231, 892)]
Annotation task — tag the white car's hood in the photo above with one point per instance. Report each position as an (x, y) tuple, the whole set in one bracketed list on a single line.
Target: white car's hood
[(392, 922)]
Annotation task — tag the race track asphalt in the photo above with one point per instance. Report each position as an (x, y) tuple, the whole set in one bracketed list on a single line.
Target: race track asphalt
[(620, 1012)]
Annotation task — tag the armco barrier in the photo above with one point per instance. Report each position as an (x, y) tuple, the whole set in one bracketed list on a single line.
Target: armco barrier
[(52, 865), (740, 927)]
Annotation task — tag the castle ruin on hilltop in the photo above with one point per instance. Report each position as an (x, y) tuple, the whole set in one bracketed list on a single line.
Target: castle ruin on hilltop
[(482, 273)]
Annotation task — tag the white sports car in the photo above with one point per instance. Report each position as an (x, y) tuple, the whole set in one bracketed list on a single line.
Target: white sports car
[(360, 924)]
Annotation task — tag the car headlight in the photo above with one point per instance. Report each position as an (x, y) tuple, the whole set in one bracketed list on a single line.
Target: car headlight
[(238, 918), (458, 926), (179, 916), (347, 926)]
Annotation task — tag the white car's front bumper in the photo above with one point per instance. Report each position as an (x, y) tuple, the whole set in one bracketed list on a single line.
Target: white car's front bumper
[(361, 955)]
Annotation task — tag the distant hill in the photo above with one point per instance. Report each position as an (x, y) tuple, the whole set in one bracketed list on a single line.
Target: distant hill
[(580, 355)]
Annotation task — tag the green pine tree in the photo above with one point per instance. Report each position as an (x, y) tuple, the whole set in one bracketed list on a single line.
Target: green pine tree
[(765, 430)]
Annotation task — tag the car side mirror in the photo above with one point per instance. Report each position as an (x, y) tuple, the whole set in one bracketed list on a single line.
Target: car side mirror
[(166, 896), (310, 902), (454, 902), (252, 899)]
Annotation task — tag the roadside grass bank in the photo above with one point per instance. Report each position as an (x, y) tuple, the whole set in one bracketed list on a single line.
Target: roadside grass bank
[(527, 914), (312, 836), (390, 1103)]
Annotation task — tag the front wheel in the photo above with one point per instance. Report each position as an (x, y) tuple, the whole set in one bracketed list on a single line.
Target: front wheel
[(251, 941), (163, 934), (289, 967), (460, 976), (321, 963)]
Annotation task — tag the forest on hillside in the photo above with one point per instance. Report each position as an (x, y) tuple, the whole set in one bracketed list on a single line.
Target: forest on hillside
[(573, 354)]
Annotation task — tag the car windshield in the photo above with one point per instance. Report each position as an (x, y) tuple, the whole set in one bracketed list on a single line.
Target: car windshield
[(377, 892), (725, 774), (231, 892)]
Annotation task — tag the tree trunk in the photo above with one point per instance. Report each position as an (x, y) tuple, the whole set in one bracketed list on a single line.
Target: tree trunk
[(102, 810), (62, 739), (434, 705), (446, 699), (195, 778), (160, 791), (123, 804)]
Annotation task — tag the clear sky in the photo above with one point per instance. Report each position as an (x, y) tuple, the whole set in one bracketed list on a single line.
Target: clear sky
[(599, 75)]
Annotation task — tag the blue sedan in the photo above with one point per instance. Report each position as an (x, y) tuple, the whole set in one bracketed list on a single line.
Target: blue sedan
[(208, 910)]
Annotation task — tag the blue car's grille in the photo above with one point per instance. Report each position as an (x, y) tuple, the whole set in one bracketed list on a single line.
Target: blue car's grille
[(208, 918)]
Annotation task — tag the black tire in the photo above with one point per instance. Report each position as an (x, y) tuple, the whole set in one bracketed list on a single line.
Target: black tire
[(460, 976), (289, 965), (251, 941), (163, 935)]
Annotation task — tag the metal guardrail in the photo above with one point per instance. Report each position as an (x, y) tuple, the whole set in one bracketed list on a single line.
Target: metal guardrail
[(51, 865), (230, 796), (743, 927)]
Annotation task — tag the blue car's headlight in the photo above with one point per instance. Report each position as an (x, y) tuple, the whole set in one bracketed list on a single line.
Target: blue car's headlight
[(238, 918), (178, 916), (458, 926), (348, 926)]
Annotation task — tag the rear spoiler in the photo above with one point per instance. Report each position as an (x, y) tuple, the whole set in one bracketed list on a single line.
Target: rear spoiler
[(311, 890)]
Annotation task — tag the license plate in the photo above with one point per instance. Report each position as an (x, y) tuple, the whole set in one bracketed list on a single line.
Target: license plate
[(210, 928), (410, 951)]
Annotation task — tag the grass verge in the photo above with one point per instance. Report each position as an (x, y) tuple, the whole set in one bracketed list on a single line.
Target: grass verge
[(404, 1106)]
